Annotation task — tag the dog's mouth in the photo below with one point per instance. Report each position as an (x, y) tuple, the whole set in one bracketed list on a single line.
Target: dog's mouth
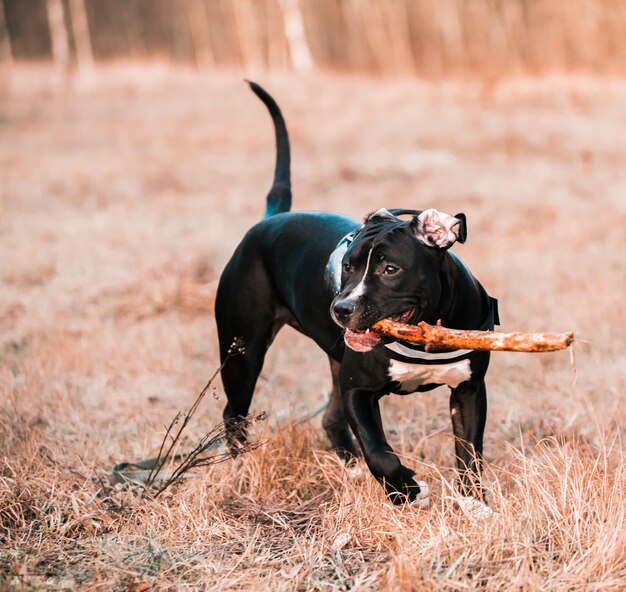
[(364, 341), (403, 317)]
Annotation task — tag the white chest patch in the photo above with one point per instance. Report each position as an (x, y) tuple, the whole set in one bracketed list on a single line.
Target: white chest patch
[(412, 376)]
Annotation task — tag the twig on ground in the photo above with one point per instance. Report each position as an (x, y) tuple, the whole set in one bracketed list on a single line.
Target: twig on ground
[(194, 459), (209, 441)]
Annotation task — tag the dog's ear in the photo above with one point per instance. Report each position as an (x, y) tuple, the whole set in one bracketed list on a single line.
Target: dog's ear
[(436, 229), (381, 214), (462, 227)]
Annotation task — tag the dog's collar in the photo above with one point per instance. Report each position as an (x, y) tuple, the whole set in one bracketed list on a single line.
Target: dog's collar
[(333, 267)]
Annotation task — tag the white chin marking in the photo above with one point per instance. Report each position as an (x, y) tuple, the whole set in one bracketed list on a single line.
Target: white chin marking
[(423, 497), (475, 509)]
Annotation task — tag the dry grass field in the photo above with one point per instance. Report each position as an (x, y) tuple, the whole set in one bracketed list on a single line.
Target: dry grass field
[(121, 201)]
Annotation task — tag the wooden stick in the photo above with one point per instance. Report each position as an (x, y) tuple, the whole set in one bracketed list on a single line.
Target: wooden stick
[(436, 337)]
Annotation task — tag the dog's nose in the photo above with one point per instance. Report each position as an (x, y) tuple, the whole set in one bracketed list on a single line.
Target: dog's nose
[(344, 309)]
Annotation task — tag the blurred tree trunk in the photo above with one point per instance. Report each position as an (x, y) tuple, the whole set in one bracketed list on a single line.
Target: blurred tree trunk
[(293, 19), (82, 39), (387, 35), (431, 38), (200, 35), (60, 40), (6, 55), (248, 36)]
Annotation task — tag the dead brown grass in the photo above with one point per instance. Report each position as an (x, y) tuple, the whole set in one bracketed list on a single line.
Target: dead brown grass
[(120, 204)]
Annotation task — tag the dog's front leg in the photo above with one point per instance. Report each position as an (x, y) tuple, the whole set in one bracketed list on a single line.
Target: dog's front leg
[(363, 412), (334, 421), (468, 409)]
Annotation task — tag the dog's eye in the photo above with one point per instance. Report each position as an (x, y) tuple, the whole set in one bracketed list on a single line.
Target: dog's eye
[(347, 267), (390, 269)]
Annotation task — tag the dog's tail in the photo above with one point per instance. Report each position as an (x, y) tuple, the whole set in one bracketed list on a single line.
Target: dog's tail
[(279, 197)]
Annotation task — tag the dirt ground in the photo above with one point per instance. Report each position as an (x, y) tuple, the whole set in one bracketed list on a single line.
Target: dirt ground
[(122, 199)]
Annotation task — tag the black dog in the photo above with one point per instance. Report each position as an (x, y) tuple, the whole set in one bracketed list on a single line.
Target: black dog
[(331, 278)]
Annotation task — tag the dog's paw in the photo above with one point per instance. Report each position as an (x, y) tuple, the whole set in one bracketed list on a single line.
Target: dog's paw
[(354, 468), (422, 499), (341, 540), (475, 509), (354, 471)]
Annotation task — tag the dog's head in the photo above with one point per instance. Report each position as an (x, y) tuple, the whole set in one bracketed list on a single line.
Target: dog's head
[(392, 270)]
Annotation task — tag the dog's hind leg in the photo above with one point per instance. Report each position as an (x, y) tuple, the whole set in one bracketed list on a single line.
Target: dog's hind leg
[(245, 310), (239, 377), (334, 421)]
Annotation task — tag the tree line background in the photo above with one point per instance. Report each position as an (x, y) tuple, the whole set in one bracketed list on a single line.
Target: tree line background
[(423, 37)]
